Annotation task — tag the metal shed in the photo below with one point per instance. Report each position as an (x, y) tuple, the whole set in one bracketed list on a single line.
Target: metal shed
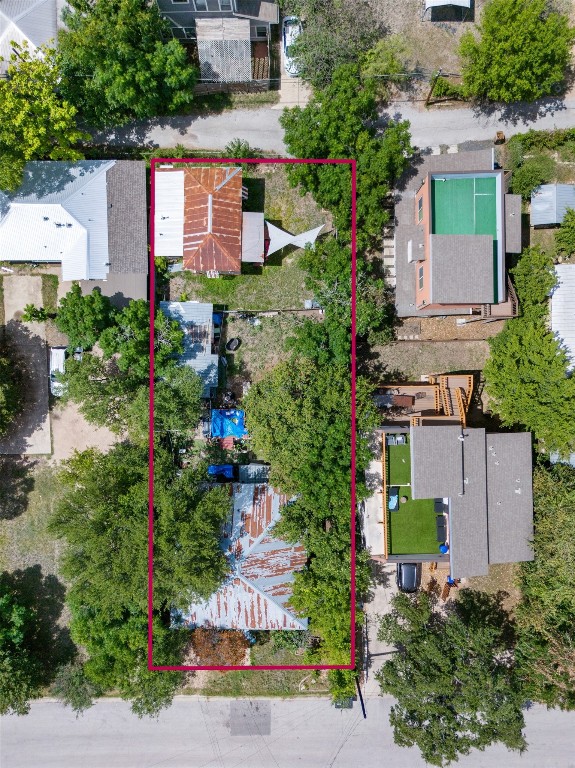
[(549, 203), (563, 308)]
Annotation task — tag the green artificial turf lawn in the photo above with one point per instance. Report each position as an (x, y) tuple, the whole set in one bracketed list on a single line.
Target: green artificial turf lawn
[(412, 527), (399, 465)]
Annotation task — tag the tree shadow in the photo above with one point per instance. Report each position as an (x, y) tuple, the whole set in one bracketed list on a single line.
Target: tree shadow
[(46, 640), (520, 112), (17, 482), (30, 352)]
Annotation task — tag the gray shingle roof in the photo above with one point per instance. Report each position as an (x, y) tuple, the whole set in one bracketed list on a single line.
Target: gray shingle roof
[(454, 258), (510, 497), (436, 461), (468, 513), (513, 224), (127, 217)]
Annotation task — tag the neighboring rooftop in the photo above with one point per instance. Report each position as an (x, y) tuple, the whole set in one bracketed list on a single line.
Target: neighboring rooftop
[(257, 592), (31, 22), (549, 203), (90, 216), (563, 309)]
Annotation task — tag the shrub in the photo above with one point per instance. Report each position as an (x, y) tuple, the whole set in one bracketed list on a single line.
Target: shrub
[(565, 236), (74, 689), (219, 648), (443, 89), (531, 174)]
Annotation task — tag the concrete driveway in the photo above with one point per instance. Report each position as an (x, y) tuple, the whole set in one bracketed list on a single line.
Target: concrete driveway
[(30, 433)]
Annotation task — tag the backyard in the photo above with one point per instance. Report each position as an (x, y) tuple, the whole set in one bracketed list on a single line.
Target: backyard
[(411, 525)]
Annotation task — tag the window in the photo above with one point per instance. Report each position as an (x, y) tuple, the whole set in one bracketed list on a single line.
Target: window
[(180, 1), (261, 31), (225, 5), (189, 33), (201, 5), (421, 278), (420, 209)]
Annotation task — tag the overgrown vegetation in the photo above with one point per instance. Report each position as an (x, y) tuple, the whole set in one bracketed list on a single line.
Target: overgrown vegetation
[(497, 67), (565, 235), (11, 397), (526, 375)]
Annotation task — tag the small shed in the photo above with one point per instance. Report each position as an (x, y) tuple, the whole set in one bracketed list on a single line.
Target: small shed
[(549, 203)]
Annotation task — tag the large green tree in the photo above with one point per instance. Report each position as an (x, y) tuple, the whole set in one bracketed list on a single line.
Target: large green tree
[(334, 33), (20, 671), (526, 374), (546, 612), (36, 123), (339, 122), (453, 676), (522, 53), (105, 525), (83, 318), (118, 62), (129, 338)]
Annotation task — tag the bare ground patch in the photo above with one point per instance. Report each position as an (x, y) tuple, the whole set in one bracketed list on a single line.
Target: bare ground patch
[(71, 432), (411, 360), (501, 578)]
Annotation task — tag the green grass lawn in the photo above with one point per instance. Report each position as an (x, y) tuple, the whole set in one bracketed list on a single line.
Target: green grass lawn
[(412, 526), (259, 682), (399, 465)]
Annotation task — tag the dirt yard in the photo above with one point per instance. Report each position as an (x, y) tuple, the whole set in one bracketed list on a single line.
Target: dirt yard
[(411, 360), (71, 432)]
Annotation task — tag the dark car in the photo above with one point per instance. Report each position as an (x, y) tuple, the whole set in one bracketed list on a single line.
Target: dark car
[(408, 577)]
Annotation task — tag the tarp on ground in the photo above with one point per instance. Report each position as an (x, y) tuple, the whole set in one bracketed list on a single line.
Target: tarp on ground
[(228, 423), (227, 470)]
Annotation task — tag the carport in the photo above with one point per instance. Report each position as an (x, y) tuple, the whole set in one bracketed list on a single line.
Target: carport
[(465, 6)]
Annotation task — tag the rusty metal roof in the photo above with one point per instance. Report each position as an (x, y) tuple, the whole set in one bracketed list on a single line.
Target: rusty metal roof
[(257, 592), (213, 220)]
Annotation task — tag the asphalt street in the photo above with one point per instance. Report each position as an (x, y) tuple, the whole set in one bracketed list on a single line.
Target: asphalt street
[(261, 128), (262, 733)]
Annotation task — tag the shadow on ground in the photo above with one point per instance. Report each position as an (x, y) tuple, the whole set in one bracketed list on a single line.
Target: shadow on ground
[(43, 595), (16, 484)]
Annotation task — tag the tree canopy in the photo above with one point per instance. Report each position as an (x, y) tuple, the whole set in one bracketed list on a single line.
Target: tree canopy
[(453, 676), (339, 122), (546, 612), (19, 669), (83, 318), (565, 235), (119, 62), (105, 526), (522, 53), (36, 123), (526, 374)]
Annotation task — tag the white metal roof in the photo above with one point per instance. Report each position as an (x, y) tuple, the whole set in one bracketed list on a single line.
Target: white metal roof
[(169, 214), (253, 237), (59, 214), (549, 203), (563, 308), (26, 21)]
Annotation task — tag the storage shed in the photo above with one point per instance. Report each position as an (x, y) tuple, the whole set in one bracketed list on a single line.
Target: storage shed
[(549, 203)]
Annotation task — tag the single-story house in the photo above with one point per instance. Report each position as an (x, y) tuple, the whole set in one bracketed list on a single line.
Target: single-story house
[(29, 23), (549, 202), (200, 342), (257, 592), (563, 309), (455, 223), (454, 494), (89, 217)]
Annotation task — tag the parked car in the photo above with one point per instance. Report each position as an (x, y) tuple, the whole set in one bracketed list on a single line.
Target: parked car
[(79, 354), (57, 360), (291, 30), (408, 577)]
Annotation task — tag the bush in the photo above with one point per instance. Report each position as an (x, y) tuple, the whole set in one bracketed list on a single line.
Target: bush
[(219, 648), (531, 174), (444, 89), (565, 236)]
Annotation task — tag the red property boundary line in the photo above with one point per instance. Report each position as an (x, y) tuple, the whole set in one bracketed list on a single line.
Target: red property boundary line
[(155, 161)]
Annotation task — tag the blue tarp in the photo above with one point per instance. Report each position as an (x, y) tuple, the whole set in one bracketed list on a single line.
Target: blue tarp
[(217, 318), (227, 470), (228, 423)]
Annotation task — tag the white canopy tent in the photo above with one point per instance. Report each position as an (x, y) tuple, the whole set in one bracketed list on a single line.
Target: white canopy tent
[(438, 3), (279, 239)]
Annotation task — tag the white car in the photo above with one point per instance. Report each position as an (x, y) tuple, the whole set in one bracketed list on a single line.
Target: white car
[(291, 30), (57, 361)]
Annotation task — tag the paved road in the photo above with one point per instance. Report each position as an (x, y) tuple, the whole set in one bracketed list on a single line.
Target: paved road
[(261, 128), (222, 733)]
